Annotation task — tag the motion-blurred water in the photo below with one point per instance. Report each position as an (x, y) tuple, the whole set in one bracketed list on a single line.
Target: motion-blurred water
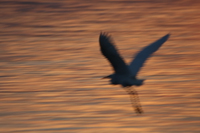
[(51, 66)]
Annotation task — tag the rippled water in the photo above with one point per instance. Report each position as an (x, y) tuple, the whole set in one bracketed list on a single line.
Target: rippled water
[(51, 66)]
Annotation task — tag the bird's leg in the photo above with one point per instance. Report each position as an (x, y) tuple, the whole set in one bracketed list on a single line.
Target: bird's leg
[(134, 99)]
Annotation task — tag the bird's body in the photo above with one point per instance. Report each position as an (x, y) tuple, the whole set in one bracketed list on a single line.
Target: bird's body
[(124, 80), (124, 74)]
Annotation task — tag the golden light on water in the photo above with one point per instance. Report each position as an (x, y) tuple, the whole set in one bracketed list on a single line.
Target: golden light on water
[(51, 66)]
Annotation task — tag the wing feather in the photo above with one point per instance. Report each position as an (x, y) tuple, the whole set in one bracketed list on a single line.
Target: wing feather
[(110, 52), (142, 56)]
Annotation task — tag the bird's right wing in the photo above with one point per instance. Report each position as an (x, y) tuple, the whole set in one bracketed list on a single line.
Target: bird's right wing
[(142, 56), (110, 52)]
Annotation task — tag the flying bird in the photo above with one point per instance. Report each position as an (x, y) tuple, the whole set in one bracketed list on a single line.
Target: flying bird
[(126, 75)]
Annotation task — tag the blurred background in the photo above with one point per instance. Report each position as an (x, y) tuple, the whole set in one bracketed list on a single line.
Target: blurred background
[(51, 66)]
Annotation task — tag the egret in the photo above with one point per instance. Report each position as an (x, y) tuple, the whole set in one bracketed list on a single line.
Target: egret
[(124, 74)]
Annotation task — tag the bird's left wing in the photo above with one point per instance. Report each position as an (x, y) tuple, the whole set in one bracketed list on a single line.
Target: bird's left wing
[(142, 56), (110, 52)]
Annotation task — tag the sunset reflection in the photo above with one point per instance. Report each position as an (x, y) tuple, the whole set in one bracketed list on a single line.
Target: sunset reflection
[(51, 66)]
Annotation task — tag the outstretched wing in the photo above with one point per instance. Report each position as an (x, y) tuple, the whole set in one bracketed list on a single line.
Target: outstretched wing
[(110, 52), (142, 56)]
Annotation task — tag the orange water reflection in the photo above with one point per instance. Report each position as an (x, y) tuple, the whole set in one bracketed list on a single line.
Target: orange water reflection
[(51, 66)]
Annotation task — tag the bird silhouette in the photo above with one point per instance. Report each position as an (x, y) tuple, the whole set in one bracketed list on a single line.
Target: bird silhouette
[(124, 74)]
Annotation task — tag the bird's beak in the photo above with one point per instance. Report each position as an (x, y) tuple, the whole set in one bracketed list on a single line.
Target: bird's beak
[(106, 77)]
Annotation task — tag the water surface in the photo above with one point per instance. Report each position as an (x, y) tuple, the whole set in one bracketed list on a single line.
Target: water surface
[(51, 66)]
